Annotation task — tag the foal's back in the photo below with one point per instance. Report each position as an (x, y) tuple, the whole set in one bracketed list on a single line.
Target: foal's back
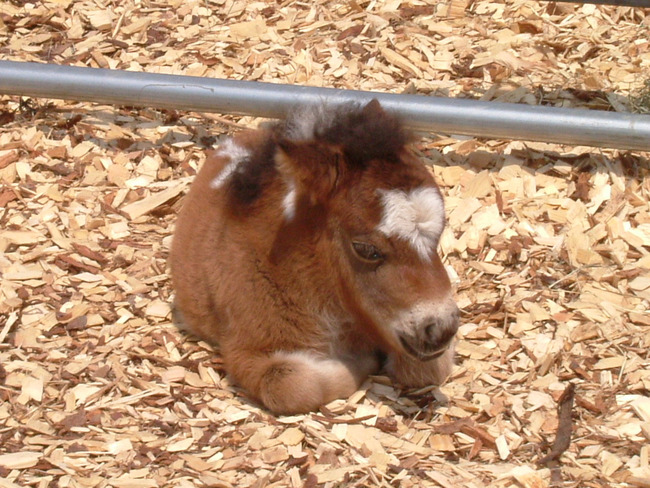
[(225, 219)]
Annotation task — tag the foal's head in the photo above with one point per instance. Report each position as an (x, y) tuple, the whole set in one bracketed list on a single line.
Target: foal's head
[(376, 215)]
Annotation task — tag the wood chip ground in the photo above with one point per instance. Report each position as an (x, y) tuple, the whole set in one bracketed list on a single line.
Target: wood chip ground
[(548, 247)]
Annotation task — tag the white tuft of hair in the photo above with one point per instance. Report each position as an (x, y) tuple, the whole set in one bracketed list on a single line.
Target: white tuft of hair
[(237, 155), (307, 121), (417, 216), (302, 124)]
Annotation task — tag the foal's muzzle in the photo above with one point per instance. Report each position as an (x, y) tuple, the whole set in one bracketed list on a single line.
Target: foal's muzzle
[(433, 337)]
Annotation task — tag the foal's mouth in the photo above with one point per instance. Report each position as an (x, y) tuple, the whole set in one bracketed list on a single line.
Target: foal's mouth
[(426, 352)]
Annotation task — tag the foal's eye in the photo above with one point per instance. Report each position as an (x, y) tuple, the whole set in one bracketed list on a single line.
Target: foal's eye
[(368, 252)]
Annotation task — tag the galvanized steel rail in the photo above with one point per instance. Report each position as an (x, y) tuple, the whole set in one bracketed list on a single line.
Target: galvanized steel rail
[(444, 115)]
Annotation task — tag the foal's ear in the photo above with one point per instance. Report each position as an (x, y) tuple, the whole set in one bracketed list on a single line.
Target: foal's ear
[(314, 168), (373, 109)]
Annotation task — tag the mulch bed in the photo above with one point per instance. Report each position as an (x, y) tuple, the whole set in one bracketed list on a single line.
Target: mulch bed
[(548, 247)]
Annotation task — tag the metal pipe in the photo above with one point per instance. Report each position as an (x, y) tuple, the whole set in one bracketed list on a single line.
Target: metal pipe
[(445, 115)]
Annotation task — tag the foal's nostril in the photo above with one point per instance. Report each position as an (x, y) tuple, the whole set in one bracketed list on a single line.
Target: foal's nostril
[(448, 334), (441, 331), (430, 331), (439, 334)]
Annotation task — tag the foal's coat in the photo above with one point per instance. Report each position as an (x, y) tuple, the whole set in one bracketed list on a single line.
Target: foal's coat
[(307, 249)]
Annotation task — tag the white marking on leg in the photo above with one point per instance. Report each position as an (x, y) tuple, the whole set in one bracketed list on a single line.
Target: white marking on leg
[(417, 216), (237, 154), (328, 367)]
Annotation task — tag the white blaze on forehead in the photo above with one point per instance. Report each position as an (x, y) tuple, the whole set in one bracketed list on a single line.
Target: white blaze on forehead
[(417, 217), (237, 155)]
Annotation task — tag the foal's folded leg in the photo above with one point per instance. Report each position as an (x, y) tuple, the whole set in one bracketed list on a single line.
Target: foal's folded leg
[(411, 372), (298, 381)]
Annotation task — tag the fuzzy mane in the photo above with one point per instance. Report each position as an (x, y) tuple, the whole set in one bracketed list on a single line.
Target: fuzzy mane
[(363, 133)]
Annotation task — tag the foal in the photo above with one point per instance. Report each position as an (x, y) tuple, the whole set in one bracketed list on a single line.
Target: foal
[(307, 250)]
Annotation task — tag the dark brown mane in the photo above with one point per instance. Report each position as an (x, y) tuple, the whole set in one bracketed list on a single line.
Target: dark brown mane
[(363, 133)]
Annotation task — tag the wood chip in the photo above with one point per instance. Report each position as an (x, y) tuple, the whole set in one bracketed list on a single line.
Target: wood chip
[(641, 406), (142, 207), (20, 460), (502, 447)]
